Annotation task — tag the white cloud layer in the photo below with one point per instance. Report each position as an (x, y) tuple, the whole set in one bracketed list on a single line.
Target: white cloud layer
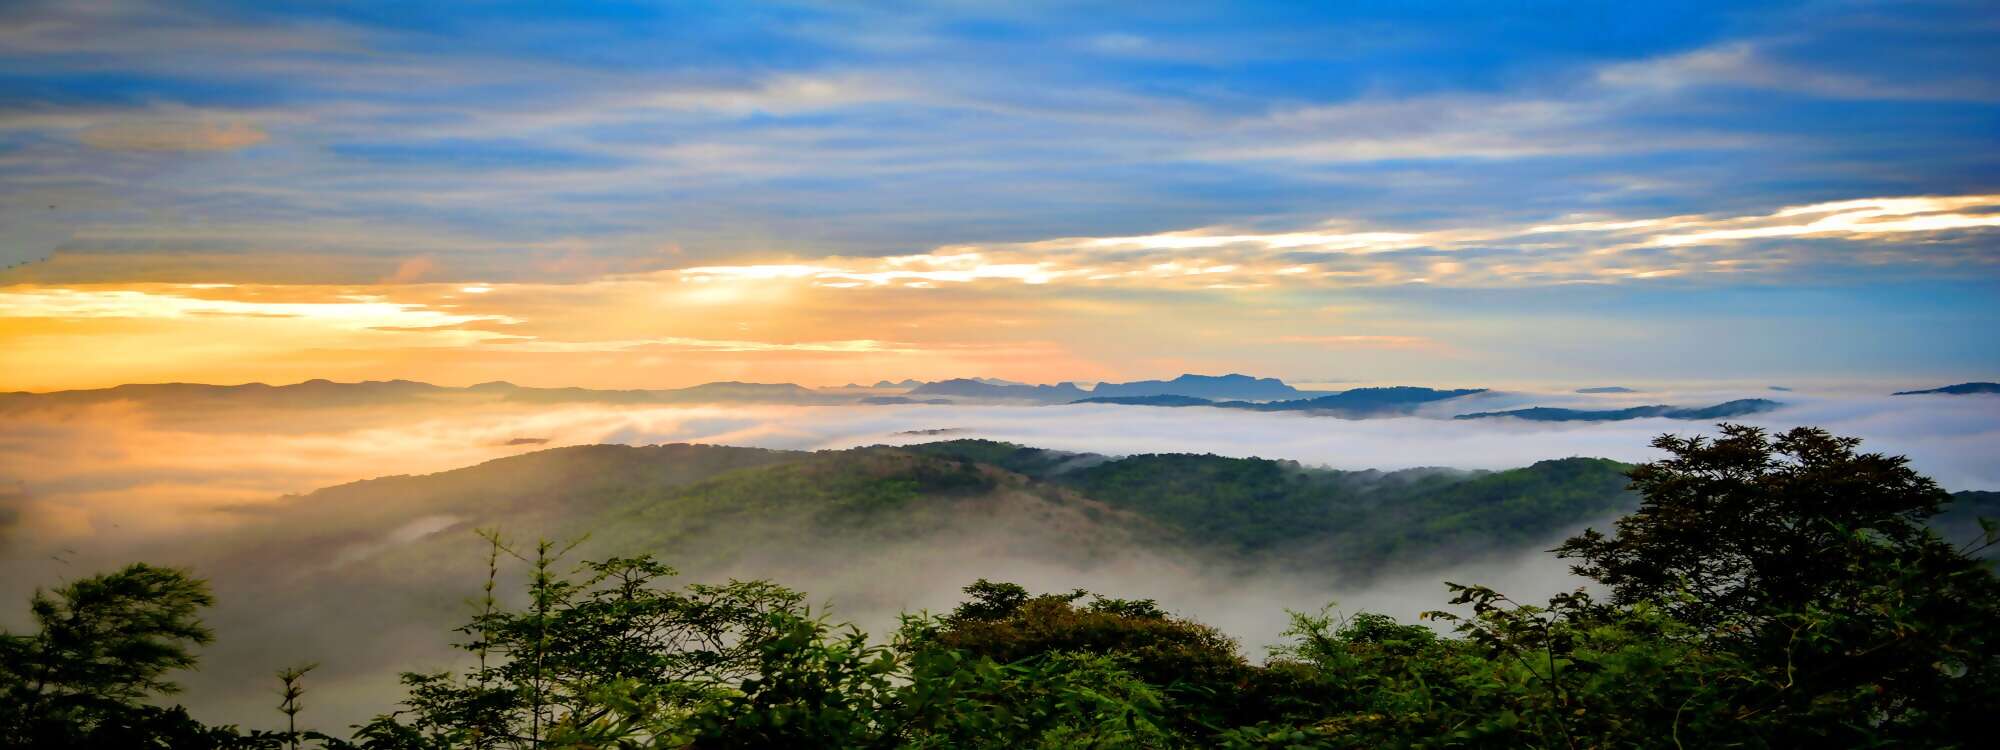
[(125, 472), (99, 485)]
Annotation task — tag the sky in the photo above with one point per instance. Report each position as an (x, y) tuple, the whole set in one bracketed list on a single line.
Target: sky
[(657, 195)]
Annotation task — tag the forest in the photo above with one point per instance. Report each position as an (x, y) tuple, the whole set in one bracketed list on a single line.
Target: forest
[(1767, 591)]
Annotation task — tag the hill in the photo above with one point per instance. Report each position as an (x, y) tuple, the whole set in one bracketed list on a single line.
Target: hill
[(1960, 389), (1211, 387), (876, 530), (1355, 522), (712, 504), (1361, 403), (979, 389), (1724, 410)]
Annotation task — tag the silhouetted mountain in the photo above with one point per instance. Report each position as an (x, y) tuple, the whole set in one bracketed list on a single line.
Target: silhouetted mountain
[(1723, 410), (1606, 389), (1165, 399), (1361, 403), (1956, 390), (971, 388), (1211, 387), (895, 400), (903, 384)]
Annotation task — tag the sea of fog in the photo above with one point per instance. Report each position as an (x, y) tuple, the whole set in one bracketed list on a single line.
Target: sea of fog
[(119, 471), (83, 488)]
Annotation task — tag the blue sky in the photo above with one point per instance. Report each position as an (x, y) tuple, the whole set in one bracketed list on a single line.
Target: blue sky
[(1370, 188)]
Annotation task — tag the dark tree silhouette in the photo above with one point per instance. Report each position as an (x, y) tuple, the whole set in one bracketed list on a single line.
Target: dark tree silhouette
[(103, 644)]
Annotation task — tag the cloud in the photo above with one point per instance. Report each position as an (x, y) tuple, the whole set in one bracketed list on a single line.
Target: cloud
[(1853, 219), (682, 343), (1361, 341), (411, 270), (1339, 254), (167, 135), (782, 94), (108, 483), (1752, 65), (155, 469), (352, 312)]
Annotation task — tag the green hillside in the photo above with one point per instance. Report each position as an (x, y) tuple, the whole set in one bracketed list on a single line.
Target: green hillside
[(718, 509), (1358, 520)]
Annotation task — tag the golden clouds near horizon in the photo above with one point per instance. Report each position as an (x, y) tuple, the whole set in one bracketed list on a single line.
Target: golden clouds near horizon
[(628, 332), (1048, 309)]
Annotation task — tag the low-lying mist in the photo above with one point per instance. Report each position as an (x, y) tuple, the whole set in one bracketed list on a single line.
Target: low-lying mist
[(121, 471), (85, 488)]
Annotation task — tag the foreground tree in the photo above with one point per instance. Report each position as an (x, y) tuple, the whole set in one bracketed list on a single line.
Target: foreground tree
[(102, 646), (1811, 562)]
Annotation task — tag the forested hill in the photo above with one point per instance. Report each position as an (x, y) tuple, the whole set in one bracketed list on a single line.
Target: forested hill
[(718, 505), (1692, 635), (1355, 520), (872, 531)]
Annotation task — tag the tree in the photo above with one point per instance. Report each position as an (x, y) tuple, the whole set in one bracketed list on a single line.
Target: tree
[(572, 657), (1811, 562), (104, 644), (1196, 667)]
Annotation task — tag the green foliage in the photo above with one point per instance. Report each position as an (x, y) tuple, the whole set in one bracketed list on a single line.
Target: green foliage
[(1769, 592), (103, 645), (559, 665), (1812, 561), (1361, 520)]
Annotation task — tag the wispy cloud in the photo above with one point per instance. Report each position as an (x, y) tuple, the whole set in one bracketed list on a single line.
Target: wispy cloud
[(1750, 65), (952, 182), (1360, 341), (1587, 250), (172, 136), (1863, 218), (348, 311), (680, 343)]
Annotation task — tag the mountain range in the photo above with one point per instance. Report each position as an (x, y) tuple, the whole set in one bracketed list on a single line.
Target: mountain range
[(1960, 389), (1233, 391), (1213, 387), (1724, 410)]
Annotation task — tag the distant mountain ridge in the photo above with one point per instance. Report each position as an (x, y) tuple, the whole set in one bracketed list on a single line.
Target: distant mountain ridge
[(1727, 409), (1961, 389), (1231, 387), (975, 388), (1233, 391), (1213, 387), (1361, 403)]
